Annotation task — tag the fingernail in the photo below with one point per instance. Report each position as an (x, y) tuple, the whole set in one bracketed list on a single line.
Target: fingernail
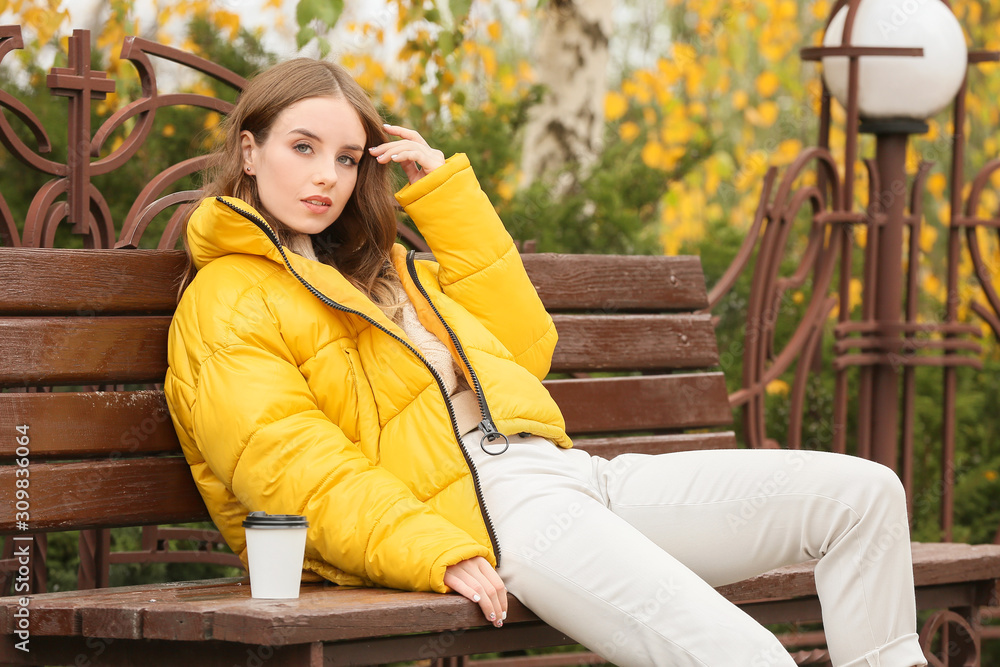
[(386, 125), (493, 617), (503, 616), (393, 156), (475, 598), (500, 624), (372, 149)]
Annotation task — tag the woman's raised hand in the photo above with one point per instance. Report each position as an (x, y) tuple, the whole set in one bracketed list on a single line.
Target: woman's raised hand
[(476, 579), (411, 152)]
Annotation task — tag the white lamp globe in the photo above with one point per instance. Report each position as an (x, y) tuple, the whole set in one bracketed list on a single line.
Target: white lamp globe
[(900, 86)]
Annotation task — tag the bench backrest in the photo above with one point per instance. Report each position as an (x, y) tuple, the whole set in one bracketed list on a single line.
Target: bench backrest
[(108, 456)]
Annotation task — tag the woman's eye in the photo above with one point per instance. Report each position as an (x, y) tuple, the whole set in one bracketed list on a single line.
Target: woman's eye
[(303, 148), (348, 160)]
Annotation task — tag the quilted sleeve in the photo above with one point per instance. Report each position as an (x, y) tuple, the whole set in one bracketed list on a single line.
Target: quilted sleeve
[(480, 266)]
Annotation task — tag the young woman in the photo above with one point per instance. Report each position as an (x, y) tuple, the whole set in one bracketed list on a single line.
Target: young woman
[(316, 368)]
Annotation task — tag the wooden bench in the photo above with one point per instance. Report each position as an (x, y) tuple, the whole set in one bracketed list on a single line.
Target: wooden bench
[(110, 458)]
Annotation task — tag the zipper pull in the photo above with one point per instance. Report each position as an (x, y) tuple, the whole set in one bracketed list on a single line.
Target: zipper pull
[(490, 433)]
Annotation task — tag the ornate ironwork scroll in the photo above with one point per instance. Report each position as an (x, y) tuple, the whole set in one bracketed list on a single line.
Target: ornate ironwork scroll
[(873, 343), (84, 206), (958, 638), (883, 345)]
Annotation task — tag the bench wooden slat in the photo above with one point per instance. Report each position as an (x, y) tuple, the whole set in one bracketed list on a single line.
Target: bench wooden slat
[(221, 609), (633, 342), (656, 444), (587, 282), (40, 351), (71, 496), (933, 564), (655, 402), (45, 280), (132, 423), (161, 653), (105, 350), (83, 424), (37, 281)]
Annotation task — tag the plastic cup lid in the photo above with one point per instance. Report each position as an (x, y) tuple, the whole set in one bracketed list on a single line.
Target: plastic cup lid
[(265, 520)]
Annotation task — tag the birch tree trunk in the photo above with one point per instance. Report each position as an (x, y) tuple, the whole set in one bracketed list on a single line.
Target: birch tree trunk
[(566, 127)]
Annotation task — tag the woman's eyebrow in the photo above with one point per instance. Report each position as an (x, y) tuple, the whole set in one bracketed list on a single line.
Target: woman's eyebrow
[(306, 133)]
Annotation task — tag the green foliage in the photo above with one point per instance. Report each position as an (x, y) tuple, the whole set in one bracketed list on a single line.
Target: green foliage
[(244, 55), (312, 13), (63, 560), (126, 574), (614, 210)]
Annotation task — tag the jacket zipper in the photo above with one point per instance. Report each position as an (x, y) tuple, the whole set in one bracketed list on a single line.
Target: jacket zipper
[(489, 429), (264, 227)]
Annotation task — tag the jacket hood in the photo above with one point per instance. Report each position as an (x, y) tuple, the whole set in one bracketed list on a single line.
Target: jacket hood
[(216, 230)]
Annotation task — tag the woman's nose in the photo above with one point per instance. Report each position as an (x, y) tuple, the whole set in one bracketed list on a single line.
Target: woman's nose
[(326, 173)]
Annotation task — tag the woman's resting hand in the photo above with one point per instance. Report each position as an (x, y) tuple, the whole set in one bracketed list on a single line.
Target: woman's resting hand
[(476, 579)]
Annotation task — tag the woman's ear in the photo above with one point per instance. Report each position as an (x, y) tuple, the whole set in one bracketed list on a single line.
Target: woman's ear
[(248, 145)]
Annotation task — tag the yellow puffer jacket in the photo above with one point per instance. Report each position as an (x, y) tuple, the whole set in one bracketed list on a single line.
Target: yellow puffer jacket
[(290, 405)]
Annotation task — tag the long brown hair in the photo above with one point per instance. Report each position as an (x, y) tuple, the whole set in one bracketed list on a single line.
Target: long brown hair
[(358, 243)]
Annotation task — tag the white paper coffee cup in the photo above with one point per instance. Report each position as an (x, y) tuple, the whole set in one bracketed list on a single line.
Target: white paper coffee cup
[(276, 546)]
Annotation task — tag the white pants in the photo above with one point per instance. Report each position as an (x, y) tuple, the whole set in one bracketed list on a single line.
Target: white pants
[(622, 554)]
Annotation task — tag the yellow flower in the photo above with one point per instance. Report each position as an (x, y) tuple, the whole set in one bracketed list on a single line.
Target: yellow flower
[(489, 57), (168, 130), (505, 190), (615, 105), (694, 79), (684, 54), (788, 150), (628, 131), (932, 285), (861, 235), (767, 84), (227, 20), (855, 290), (509, 82), (991, 475), (740, 100), (676, 131), (769, 113), (936, 184), (928, 235), (764, 115), (651, 154), (777, 388), (525, 72)]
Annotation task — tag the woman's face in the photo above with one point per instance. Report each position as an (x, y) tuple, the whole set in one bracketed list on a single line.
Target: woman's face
[(307, 168)]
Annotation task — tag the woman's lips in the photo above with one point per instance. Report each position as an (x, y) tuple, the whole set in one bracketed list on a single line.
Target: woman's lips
[(317, 204)]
